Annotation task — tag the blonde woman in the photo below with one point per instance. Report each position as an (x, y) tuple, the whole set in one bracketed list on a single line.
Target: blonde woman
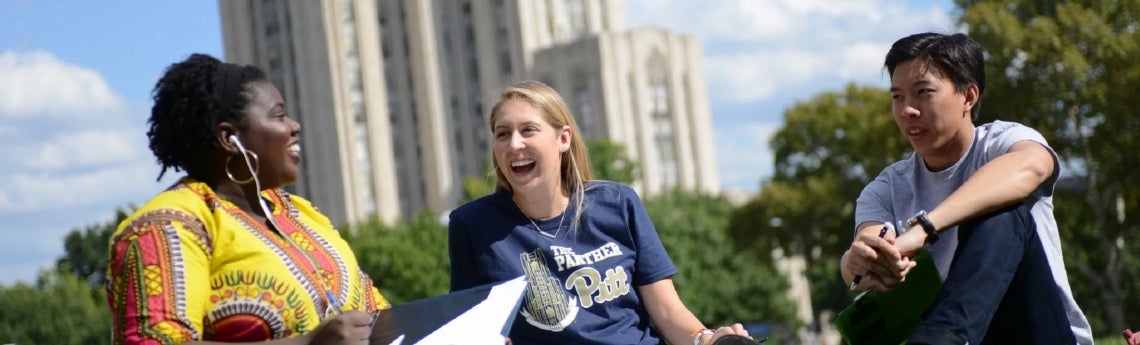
[(597, 271)]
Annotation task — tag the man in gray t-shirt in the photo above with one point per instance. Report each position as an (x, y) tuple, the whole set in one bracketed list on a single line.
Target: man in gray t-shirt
[(978, 198)]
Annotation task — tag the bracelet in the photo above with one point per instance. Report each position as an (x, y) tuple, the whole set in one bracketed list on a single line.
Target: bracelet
[(697, 335)]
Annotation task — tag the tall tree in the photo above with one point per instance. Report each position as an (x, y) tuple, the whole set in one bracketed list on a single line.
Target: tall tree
[(406, 262), (67, 304), (1069, 70), (718, 281), (828, 149), (477, 186), (59, 308), (85, 250), (610, 161)]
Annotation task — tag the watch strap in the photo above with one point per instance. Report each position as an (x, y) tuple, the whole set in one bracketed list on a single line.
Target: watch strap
[(927, 226)]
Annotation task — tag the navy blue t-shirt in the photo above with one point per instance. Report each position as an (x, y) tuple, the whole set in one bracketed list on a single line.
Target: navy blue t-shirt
[(582, 284)]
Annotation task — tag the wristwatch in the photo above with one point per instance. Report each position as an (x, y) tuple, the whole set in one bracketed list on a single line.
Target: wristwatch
[(927, 227)]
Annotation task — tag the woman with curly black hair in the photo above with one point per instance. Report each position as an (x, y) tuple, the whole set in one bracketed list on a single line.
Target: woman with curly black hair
[(225, 254)]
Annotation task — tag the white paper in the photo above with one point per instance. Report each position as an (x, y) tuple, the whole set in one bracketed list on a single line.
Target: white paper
[(482, 323)]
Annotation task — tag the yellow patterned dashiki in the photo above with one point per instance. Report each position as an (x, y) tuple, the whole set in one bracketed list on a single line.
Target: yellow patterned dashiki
[(190, 266)]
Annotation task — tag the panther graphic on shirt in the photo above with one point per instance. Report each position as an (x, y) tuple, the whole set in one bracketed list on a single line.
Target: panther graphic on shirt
[(548, 306)]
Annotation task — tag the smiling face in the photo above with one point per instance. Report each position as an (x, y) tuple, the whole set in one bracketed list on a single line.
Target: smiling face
[(528, 150), (931, 113), (269, 132)]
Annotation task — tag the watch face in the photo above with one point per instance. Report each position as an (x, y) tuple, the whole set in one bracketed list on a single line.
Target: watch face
[(914, 220)]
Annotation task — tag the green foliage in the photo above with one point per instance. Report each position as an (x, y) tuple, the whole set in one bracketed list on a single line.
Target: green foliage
[(609, 161), (477, 186), (1108, 340), (829, 148), (68, 304), (1069, 70), (406, 262), (59, 308), (718, 282), (85, 250)]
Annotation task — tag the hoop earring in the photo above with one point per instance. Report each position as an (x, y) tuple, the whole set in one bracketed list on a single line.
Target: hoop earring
[(252, 174)]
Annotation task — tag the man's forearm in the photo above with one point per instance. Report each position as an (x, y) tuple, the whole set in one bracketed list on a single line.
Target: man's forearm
[(1006, 180)]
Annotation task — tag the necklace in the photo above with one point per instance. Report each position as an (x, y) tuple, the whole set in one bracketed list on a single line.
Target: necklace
[(536, 227), (543, 232)]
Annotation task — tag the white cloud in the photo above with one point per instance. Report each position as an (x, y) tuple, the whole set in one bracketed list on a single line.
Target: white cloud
[(812, 23), (69, 140), (5, 200), (860, 55), (36, 83), (743, 155), (746, 77), (73, 151), (26, 192), (725, 19), (760, 55), (755, 48), (80, 149), (749, 76)]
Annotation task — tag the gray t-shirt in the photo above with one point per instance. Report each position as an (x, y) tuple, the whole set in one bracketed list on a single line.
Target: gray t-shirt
[(907, 186)]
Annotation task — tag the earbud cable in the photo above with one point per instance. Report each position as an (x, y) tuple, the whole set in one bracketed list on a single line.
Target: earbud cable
[(330, 306)]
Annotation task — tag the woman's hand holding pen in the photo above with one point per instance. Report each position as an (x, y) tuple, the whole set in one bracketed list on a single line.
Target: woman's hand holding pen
[(353, 327)]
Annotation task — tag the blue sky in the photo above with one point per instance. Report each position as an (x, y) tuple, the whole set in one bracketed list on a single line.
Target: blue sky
[(75, 81)]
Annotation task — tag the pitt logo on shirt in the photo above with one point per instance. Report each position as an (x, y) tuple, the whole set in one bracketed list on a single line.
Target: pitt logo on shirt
[(588, 282)]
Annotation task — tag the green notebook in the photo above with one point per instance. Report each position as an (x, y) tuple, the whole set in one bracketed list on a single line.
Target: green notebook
[(890, 317)]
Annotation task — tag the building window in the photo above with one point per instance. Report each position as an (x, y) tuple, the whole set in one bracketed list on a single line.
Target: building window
[(577, 11), (661, 115), (585, 108)]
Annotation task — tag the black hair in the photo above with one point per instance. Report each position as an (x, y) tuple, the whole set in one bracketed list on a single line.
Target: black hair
[(188, 108), (957, 57)]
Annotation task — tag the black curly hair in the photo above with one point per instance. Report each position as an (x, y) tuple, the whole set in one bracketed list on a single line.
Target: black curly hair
[(187, 110)]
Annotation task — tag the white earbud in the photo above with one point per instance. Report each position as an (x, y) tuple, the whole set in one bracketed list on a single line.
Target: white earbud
[(253, 171), (236, 142)]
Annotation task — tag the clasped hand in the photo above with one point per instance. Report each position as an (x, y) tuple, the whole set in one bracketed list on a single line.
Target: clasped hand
[(883, 262)]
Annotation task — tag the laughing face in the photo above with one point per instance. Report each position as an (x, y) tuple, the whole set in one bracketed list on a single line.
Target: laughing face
[(931, 113), (528, 149), (271, 134)]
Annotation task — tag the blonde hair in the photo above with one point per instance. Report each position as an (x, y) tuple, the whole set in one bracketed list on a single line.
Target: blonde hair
[(575, 169)]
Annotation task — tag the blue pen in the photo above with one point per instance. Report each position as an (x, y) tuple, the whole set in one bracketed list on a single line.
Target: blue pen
[(375, 317), (855, 282), (330, 308)]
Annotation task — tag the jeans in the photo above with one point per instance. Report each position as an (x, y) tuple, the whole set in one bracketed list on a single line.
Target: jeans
[(999, 290)]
